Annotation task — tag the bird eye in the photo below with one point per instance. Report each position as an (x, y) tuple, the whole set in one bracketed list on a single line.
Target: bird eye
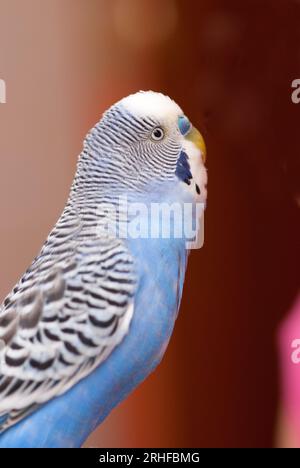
[(157, 134)]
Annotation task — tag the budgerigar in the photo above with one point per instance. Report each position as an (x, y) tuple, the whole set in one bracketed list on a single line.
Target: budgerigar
[(93, 314)]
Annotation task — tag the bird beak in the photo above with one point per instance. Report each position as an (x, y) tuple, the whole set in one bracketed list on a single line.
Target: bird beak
[(195, 137)]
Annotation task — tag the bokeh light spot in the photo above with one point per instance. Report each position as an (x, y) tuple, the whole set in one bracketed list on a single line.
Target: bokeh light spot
[(142, 23)]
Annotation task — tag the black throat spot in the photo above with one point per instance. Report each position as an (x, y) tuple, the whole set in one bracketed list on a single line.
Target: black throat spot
[(183, 169)]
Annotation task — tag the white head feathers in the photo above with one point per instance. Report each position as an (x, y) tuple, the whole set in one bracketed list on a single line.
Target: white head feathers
[(151, 104)]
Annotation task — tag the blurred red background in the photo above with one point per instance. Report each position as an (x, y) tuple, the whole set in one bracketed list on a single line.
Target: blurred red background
[(230, 65)]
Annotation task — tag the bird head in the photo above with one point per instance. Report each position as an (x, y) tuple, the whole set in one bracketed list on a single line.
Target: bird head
[(145, 141)]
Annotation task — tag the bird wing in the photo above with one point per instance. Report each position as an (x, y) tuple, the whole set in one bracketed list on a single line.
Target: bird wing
[(72, 307)]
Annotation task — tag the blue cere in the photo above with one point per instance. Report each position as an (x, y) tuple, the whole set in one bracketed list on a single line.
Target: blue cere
[(183, 170), (184, 125)]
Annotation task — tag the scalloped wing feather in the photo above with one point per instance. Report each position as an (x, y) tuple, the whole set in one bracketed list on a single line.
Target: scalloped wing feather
[(67, 314)]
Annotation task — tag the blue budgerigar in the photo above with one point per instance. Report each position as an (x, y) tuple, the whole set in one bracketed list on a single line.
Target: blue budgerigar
[(93, 314)]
